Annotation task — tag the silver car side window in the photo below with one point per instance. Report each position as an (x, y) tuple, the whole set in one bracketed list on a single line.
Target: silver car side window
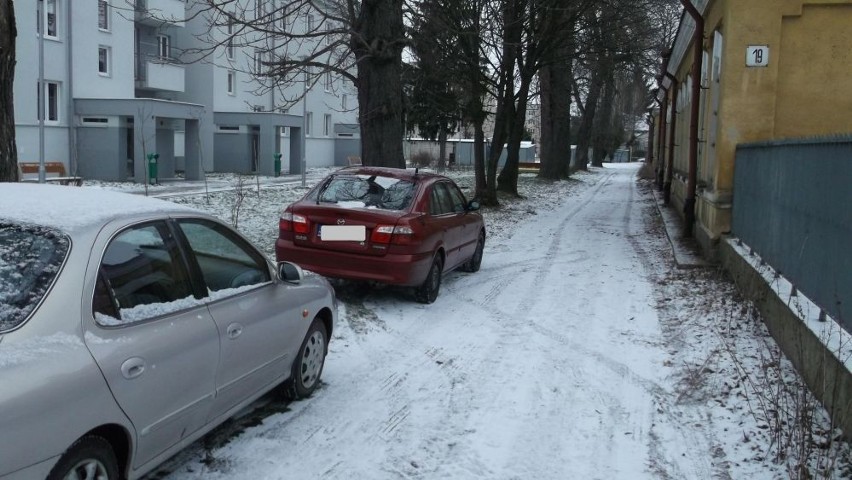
[(225, 260), (142, 275)]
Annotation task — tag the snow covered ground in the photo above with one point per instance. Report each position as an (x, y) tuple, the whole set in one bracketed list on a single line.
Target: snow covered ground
[(577, 351)]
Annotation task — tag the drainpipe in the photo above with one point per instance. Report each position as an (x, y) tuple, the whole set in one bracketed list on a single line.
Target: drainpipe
[(664, 105), (698, 48), (667, 183), (661, 137), (42, 96), (72, 127)]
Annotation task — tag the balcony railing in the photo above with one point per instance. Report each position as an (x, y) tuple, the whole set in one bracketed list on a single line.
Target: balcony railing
[(154, 72)]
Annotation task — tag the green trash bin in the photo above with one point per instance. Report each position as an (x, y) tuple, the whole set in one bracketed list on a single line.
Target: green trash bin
[(277, 164), (152, 167)]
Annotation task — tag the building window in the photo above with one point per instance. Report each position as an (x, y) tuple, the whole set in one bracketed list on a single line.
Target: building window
[(103, 60), (310, 23), (309, 119), (51, 103), (232, 82), (49, 21), (344, 100), (258, 62), (284, 19), (103, 15), (327, 81), (258, 9), (326, 125), (328, 33), (164, 47), (230, 45)]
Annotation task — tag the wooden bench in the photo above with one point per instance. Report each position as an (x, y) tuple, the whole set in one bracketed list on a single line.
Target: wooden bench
[(54, 172)]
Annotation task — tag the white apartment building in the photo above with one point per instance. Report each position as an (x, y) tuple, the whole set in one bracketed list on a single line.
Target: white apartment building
[(117, 87)]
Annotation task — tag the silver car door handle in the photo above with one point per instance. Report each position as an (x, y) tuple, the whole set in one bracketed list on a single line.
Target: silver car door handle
[(234, 330), (132, 367)]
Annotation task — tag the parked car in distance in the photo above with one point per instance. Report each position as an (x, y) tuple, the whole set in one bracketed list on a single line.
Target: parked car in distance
[(389, 225), (130, 327)]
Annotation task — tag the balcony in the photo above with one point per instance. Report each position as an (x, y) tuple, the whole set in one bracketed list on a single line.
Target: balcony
[(154, 73), (159, 12)]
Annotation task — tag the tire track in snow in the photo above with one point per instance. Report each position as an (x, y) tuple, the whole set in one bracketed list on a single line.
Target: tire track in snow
[(545, 268)]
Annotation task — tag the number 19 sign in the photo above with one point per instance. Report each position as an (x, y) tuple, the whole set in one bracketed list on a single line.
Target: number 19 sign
[(757, 56)]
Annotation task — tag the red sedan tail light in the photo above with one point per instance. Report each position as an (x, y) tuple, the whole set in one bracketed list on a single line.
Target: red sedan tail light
[(399, 235), (294, 222)]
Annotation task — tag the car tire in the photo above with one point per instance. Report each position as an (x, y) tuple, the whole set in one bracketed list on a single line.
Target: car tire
[(428, 291), (307, 367), (472, 265), (89, 458)]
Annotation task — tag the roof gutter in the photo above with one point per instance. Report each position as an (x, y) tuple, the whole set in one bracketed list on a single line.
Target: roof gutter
[(692, 175)]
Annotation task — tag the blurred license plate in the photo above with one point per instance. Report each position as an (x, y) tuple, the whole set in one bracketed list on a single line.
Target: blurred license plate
[(352, 233)]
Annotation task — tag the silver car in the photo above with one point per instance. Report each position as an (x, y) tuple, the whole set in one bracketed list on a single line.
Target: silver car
[(130, 327)]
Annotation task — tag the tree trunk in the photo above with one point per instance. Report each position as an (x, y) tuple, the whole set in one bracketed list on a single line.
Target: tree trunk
[(504, 116), (377, 44), (584, 135), (479, 159), (555, 78), (508, 179), (603, 131), (8, 149), (442, 148)]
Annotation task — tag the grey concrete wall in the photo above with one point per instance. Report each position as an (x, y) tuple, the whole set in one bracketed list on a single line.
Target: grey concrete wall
[(825, 374), (344, 148), (231, 152), (166, 149), (99, 153)]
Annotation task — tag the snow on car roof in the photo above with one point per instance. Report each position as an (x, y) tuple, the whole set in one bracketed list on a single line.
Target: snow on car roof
[(69, 208)]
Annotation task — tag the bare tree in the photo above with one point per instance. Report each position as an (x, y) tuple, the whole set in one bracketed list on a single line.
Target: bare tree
[(619, 34), (555, 79), (8, 149), (301, 42), (461, 53)]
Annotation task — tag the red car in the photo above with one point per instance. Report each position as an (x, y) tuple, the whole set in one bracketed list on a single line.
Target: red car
[(389, 225)]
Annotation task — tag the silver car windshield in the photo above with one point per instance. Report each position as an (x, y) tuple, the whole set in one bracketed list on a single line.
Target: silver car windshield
[(367, 191), (30, 258)]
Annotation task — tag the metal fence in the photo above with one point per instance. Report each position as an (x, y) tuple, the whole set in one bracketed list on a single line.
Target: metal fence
[(793, 206)]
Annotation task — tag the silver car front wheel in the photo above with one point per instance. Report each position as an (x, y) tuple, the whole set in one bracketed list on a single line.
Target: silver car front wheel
[(307, 367)]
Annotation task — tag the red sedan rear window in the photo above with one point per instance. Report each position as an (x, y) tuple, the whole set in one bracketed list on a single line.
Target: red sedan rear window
[(366, 191), (30, 258)]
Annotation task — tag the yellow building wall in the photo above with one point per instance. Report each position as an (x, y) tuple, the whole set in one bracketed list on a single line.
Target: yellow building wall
[(801, 92), (815, 73)]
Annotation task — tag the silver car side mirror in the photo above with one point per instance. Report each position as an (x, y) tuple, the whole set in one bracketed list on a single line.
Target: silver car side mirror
[(290, 272)]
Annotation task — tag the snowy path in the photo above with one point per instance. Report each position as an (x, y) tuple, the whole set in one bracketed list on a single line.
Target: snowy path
[(548, 363)]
